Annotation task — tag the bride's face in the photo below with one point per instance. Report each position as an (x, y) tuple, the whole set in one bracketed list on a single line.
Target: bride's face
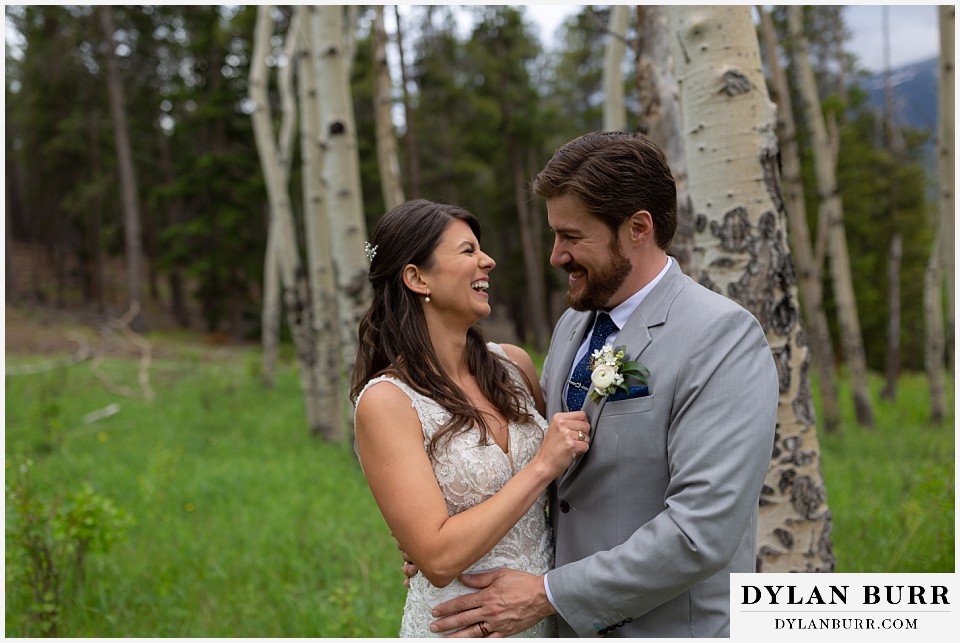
[(459, 277)]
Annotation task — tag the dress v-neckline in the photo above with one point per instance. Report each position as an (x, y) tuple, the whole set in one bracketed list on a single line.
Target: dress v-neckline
[(508, 441), (508, 454)]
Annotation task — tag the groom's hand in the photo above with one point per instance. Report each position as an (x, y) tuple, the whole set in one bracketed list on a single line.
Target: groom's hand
[(509, 601), (409, 567)]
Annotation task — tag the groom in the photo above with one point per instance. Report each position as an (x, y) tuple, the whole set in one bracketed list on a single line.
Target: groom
[(652, 520)]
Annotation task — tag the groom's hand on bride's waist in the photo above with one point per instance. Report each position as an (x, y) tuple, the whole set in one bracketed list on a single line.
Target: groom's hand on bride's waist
[(409, 568), (509, 601)]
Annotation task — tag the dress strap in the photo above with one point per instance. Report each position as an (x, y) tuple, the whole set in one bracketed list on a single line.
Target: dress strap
[(431, 414), (386, 378)]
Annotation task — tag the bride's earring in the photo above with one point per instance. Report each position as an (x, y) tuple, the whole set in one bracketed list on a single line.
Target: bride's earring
[(427, 299)]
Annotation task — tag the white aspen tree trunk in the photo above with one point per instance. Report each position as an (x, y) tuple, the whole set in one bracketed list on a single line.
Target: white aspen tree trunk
[(946, 163), (731, 145), (894, 147), (270, 315), (933, 278), (660, 119), (831, 212), (614, 108), (933, 327), (296, 292), (133, 243), (809, 275), (349, 38), (410, 134), (318, 243), (341, 175), (387, 160)]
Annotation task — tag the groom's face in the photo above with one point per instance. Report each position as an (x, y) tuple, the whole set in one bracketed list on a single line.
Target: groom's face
[(589, 252)]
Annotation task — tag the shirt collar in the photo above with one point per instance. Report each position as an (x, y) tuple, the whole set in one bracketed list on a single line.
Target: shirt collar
[(621, 314)]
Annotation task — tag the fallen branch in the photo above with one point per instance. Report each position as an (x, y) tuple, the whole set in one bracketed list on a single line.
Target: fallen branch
[(82, 353), (95, 416), (146, 356)]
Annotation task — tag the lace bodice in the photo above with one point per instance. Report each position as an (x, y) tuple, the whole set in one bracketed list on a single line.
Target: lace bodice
[(468, 474)]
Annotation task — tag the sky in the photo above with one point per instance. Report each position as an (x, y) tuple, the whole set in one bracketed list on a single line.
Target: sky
[(914, 35)]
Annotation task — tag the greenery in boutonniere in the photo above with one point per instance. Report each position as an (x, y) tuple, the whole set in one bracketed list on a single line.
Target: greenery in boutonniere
[(610, 370)]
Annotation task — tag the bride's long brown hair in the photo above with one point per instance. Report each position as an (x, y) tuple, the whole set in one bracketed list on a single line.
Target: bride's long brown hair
[(393, 332)]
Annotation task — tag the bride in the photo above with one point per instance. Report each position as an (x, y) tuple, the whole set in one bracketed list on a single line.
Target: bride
[(449, 429)]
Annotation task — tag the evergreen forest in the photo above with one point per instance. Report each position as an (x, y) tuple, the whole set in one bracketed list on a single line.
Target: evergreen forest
[(476, 99)]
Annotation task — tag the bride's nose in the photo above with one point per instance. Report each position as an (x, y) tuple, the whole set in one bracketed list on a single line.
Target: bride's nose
[(486, 262)]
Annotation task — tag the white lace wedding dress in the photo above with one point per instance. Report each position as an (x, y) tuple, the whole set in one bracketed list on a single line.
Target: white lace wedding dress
[(468, 474)]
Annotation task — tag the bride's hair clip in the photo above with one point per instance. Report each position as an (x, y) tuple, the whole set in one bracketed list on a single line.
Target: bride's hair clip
[(370, 251)]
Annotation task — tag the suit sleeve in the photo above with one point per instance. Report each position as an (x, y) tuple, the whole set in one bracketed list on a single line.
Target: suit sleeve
[(719, 444)]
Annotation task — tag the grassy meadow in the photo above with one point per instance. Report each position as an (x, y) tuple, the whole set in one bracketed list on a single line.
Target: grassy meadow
[(891, 490), (211, 512), (243, 524)]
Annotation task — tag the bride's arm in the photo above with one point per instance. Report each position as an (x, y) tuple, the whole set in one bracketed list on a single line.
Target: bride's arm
[(390, 445)]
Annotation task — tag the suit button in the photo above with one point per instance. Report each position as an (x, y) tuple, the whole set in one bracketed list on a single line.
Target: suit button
[(564, 506)]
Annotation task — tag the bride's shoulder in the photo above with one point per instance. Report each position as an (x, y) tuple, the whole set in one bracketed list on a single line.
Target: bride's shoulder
[(515, 354), (524, 364), (386, 401), (518, 356), (384, 389)]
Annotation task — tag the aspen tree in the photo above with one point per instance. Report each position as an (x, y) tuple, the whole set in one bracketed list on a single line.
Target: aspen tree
[(731, 148), (831, 215), (660, 118), (295, 280), (614, 109), (941, 254), (387, 160), (329, 48), (320, 263), (808, 272)]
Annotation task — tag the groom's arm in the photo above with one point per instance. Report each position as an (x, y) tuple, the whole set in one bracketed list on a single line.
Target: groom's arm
[(509, 601)]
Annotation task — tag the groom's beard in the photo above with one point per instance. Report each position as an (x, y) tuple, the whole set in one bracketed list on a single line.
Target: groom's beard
[(601, 282)]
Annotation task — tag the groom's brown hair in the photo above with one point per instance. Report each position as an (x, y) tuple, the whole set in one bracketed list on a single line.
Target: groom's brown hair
[(614, 174)]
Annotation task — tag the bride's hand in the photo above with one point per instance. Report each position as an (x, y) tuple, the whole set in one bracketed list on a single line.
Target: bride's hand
[(567, 437)]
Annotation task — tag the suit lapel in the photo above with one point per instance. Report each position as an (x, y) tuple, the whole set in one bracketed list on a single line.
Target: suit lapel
[(651, 312), (635, 337), (578, 329)]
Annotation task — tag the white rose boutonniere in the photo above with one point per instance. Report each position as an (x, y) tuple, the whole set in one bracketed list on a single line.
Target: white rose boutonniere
[(610, 369)]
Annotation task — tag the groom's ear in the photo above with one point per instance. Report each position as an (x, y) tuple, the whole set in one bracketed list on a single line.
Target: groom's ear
[(413, 279), (641, 226)]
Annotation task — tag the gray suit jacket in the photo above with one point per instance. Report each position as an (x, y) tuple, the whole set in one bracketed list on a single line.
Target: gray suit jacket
[(652, 520)]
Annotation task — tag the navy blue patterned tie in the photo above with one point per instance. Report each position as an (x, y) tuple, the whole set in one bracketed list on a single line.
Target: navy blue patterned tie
[(579, 382)]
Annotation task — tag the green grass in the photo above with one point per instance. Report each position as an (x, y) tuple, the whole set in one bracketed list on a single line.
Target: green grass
[(245, 525), (891, 489)]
